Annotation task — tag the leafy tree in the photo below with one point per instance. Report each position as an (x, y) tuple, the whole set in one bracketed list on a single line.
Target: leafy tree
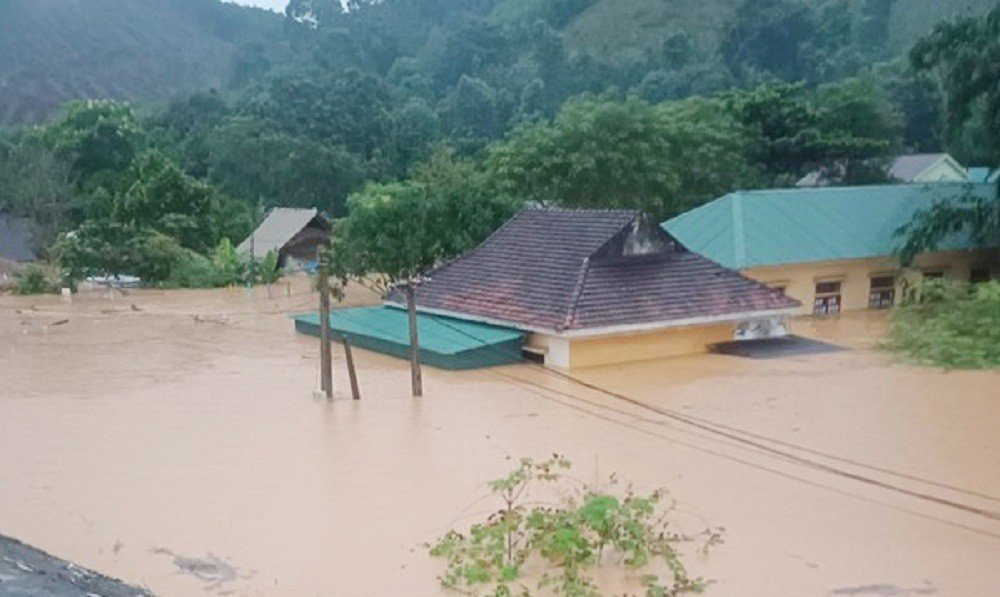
[(96, 136), (843, 128), (600, 152), (247, 160), (974, 214), (38, 185), (396, 231), (775, 36), (162, 198), (966, 56)]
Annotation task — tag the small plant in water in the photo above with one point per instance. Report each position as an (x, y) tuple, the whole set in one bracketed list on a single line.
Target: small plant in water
[(554, 545)]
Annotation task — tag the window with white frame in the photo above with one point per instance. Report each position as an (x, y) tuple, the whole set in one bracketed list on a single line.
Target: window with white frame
[(882, 292), (827, 299)]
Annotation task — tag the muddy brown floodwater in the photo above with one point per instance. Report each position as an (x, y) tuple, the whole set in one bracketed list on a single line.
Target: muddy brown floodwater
[(172, 439)]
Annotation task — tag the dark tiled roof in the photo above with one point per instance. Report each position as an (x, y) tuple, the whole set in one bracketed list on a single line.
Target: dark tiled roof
[(564, 269)]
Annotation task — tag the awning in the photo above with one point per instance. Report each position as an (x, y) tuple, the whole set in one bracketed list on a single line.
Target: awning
[(445, 342)]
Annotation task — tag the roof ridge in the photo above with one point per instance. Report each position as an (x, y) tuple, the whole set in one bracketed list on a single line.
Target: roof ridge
[(832, 189), (580, 210), (574, 301)]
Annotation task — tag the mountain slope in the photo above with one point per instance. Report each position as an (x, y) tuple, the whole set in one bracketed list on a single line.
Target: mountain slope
[(610, 26), (52, 51)]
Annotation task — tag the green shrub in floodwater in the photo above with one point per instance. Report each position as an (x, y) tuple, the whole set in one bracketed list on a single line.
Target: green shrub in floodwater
[(37, 278), (949, 324), (579, 531)]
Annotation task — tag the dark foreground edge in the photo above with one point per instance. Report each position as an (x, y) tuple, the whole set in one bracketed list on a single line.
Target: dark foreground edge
[(27, 571)]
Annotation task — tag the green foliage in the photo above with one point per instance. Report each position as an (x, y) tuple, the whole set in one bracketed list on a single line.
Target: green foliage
[(966, 55), (399, 230), (841, 128), (36, 184), (950, 325), (605, 153), (96, 136), (975, 215), (37, 278), (567, 538)]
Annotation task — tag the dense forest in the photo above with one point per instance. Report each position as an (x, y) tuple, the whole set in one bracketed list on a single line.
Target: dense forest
[(473, 106)]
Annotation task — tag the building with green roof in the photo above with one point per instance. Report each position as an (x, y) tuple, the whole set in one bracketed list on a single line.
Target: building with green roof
[(445, 342), (832, 248)]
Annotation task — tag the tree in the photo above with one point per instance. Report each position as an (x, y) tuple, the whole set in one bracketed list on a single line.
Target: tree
[(96, 136), (38, 185), (842, 128), (247, 159), (396, 231), (965, 54), (601, 152), (391, 236), (975, 214)]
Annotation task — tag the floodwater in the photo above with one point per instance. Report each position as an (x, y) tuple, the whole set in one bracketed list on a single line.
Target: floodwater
[(172, 439)]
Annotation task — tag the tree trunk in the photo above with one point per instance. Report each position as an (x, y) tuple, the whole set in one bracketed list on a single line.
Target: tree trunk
[(415, 378)]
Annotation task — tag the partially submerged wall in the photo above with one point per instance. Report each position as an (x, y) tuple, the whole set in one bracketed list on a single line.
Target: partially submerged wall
[(563, 353), (799, 279)]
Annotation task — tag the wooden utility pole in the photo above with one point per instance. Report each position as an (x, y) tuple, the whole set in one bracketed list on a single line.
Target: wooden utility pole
[(411, 306), (351, 373), (325, 363)]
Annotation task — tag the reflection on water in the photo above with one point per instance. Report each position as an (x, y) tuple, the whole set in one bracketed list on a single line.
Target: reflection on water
[(171, 439)]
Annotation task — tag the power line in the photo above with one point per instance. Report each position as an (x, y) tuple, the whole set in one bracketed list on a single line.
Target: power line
[(732, 435)]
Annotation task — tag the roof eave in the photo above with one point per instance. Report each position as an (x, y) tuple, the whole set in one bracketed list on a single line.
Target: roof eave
[(632, 328)]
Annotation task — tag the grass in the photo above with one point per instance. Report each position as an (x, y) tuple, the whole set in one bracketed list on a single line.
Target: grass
[(952, 325)]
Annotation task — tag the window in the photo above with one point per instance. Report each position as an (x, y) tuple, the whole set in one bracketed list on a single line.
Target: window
[(933, 274), (882, 293), (827, 298), (979, 274)]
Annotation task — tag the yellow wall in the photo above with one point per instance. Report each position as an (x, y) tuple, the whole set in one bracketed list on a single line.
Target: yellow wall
[(625, 348), (799, 279)]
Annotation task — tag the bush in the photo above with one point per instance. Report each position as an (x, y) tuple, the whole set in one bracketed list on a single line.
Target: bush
[(580, 529), (37, 278), (949, 324)]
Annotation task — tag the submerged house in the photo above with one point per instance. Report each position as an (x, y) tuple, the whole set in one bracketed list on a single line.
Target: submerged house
[(833, 248), (295, 234), (592, 287)]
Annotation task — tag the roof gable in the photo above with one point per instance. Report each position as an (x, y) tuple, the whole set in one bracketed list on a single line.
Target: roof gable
[(280, 226), (769, 227), (560, 270)]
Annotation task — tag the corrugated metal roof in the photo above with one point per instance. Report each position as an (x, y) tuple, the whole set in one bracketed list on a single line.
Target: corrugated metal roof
[(568, 270), (769, 227), (445, 342), (280, 225)]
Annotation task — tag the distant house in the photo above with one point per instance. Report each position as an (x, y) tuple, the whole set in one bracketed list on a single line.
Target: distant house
[(832, 248), (295, 234), (591, 287), (16, 239), (919, 167)]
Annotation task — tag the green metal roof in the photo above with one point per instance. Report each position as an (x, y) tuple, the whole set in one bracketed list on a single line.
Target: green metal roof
[(770, 227), (445, 342)]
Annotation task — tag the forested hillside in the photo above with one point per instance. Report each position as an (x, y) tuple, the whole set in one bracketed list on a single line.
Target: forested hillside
[(52, 51), (473, 107)]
